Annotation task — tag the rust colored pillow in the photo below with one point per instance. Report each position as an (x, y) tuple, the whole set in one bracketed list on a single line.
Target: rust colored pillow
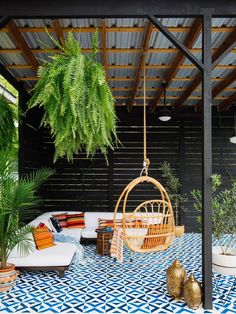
[(102, 223), (156, 229), (43, 237), (75, 220)]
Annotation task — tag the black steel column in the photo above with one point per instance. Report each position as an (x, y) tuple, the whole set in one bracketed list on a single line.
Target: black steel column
[(207, 162), (181, 167)]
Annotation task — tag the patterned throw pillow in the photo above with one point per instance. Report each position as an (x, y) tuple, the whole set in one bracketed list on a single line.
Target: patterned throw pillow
[(75, 220), (55, 224), (61, 218), (102, 223), (43, 237)]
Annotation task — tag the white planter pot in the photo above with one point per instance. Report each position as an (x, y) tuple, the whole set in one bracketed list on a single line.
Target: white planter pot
[(224, 264)]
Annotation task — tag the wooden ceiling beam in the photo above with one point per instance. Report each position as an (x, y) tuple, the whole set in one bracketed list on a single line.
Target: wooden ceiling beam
[(20, 42), (114, 50), (141, 65), (224, 48), (114, 29), (125, 66), (169, 97), (128, 79), (179, 58), (225, 104), (57, 29)]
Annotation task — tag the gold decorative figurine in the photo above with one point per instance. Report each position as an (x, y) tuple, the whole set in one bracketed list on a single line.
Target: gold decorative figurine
[(192, 293), (175, 278)]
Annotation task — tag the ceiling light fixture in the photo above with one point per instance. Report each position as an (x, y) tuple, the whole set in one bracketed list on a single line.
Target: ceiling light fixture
[(164, 113)]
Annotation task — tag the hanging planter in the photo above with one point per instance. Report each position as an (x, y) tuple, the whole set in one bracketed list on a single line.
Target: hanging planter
[(78, 103)]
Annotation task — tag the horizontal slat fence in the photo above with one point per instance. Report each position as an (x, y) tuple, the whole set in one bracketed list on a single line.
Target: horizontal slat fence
[(92, 185)]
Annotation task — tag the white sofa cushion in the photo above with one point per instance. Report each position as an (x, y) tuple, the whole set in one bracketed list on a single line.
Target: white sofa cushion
[(89, 233), (60, 254)]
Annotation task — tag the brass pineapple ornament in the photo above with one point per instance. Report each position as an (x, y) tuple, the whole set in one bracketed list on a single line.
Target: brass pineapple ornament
[(175, 278), (192, 292)]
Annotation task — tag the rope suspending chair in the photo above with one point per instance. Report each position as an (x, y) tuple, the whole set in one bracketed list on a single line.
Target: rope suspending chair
[(150, 227)]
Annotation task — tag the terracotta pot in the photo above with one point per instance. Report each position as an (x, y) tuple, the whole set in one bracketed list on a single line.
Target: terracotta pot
[(224, 264), (192, 293), (175, 278), (8, 277), (179, 230)]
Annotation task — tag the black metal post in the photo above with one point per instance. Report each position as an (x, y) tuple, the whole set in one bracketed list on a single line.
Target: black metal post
[(181, 167), (207, 162)]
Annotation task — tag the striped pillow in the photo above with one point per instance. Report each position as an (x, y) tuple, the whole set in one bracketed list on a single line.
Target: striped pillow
[(75, 220), (43, 237), (61, 218), (102, 223)]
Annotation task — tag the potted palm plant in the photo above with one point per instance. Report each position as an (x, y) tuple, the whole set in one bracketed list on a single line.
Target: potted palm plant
[(18, 198), (173, 186), (223, 224)]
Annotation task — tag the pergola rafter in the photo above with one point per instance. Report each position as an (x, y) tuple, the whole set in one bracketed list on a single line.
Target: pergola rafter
[(57, 29), (179, 58), (20, 42), (224, 49)]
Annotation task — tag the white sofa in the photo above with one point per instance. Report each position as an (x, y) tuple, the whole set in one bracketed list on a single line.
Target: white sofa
[(57, 257)]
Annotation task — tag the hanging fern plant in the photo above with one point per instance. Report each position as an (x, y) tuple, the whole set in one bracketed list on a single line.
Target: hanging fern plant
[(78, 103), (8, 114)]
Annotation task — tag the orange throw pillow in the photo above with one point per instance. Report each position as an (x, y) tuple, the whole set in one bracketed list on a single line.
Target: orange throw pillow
[(156, 229), (43, 237)]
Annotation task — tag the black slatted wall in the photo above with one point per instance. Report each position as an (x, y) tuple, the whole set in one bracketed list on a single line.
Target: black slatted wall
[(91, 185)]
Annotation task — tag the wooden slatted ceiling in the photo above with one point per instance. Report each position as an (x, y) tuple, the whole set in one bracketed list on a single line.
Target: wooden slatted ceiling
[(225, 47), (192, 33), (179, 58)]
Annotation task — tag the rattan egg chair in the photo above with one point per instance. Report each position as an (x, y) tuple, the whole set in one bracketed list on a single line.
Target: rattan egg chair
[(150, 226)]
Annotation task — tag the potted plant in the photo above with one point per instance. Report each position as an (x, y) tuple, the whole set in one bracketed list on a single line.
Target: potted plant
[(17, 199), (223, 224), (77, 101), (173, 186)]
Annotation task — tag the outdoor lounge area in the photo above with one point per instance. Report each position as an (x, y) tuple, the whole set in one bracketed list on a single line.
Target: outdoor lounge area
[(118, 157)]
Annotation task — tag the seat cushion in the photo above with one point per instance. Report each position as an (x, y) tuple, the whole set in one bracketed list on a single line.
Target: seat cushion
[(59, 255), (89, 233)]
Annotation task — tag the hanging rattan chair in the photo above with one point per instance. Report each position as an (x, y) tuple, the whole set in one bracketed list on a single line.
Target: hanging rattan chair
[(150, 226)]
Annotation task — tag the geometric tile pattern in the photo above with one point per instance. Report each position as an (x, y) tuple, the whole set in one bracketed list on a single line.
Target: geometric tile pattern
[(105, 286)]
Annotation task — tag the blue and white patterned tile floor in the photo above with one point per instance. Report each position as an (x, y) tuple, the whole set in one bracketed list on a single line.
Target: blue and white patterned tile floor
[(104, 286)]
